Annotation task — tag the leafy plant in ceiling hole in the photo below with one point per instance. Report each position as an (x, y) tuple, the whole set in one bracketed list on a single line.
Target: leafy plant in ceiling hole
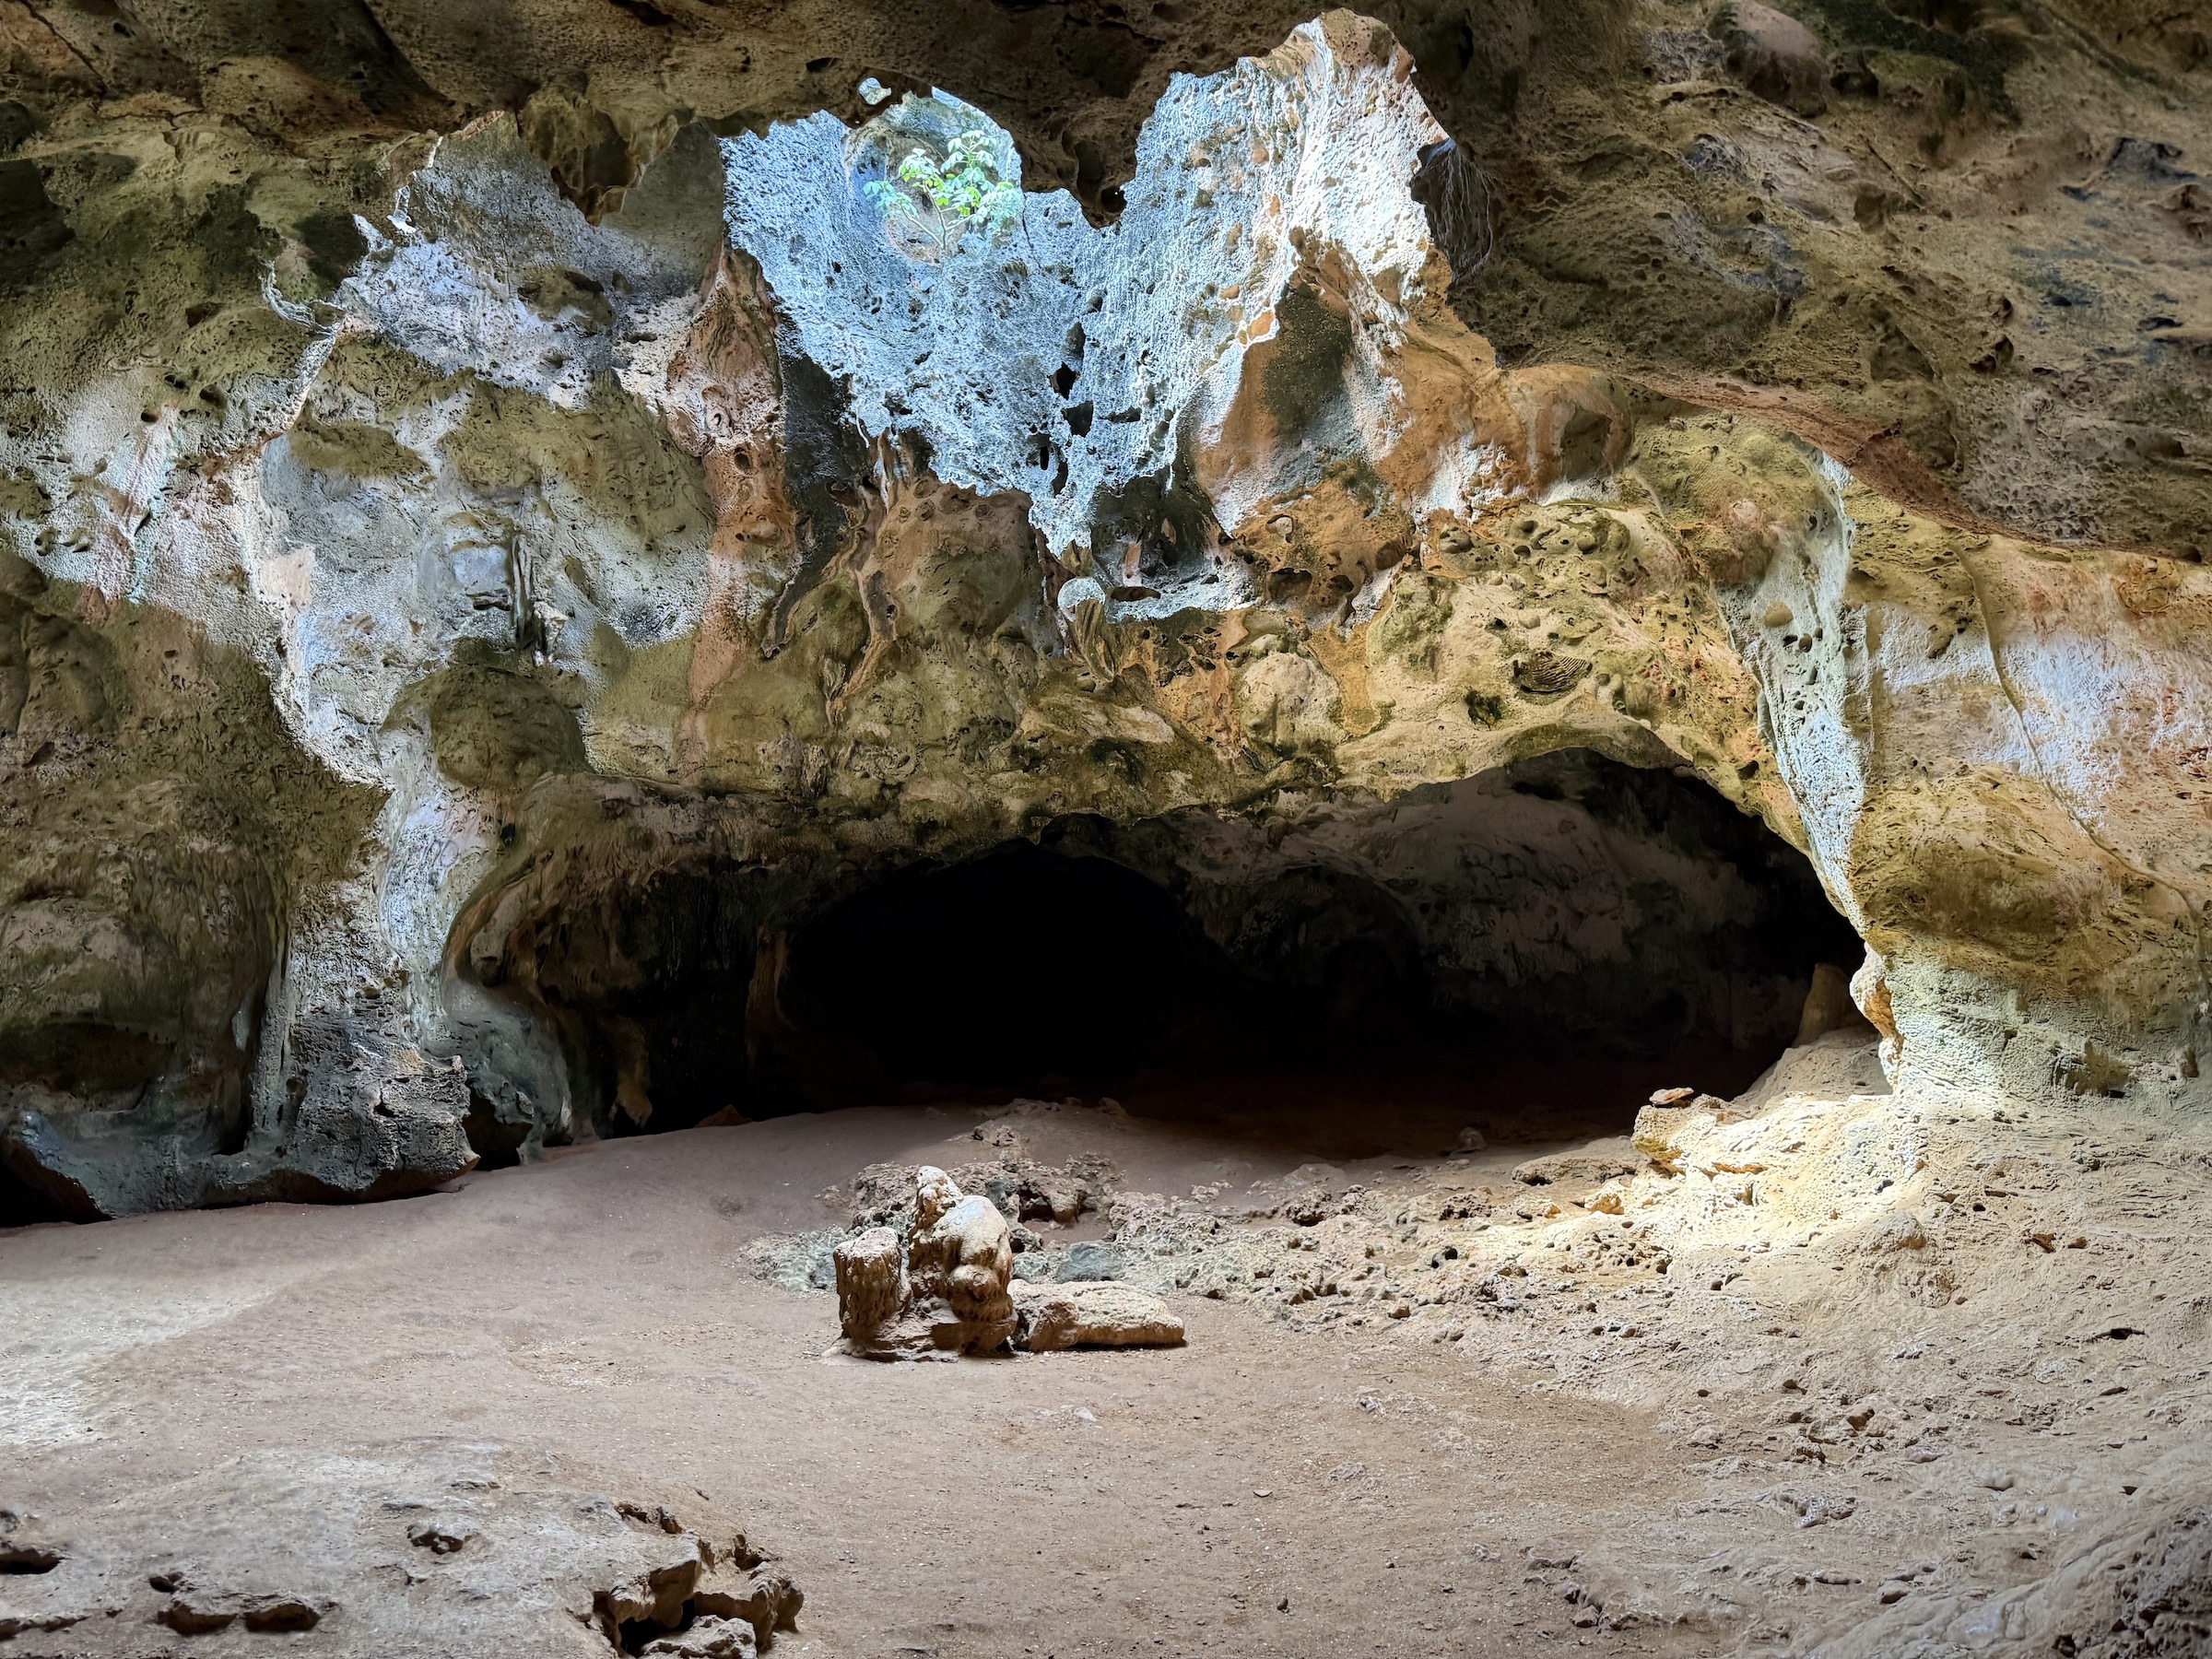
[(929, 205)]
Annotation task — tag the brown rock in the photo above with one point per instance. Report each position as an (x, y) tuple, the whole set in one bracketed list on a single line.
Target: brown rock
[(870, 1283), (1100, 1314)]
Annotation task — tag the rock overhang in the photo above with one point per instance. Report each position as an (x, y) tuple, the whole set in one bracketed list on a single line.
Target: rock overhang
[(661, 492)]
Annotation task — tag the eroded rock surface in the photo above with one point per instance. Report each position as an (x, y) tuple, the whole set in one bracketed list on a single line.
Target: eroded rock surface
[(494, 548), (435, 1548)]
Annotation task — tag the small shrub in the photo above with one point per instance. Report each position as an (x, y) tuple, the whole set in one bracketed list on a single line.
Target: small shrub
[(930, 205)]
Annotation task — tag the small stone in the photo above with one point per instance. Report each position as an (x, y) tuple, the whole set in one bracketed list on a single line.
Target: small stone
[(280, 1614), (191, 1616), (441, 1537)]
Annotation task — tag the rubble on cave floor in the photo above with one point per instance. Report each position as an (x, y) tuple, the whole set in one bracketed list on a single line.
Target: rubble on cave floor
[(1821, 1367)]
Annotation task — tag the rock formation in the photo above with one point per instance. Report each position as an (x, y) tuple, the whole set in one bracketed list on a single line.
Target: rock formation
[(941, 1291), (947, 1289), (492, 548), (1100, 1314), (496, 1557)]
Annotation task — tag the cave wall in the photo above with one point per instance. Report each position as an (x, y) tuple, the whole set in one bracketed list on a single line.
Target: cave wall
[(1565, 899), (446, 495)]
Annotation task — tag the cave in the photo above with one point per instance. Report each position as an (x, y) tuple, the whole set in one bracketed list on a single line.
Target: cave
[(1188, 826), (1377, 975)]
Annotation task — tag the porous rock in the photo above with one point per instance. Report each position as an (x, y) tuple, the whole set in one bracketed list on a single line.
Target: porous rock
[(1092, 1314), (942, 1290), (871, 1282), (519, 503), (706, 1638)]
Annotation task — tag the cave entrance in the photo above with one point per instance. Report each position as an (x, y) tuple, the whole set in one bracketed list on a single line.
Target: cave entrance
[(1528, 953), (24, 1204), (1025, 969)]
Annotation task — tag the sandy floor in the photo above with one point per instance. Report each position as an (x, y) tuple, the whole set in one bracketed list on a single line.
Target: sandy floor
[(1628, 1433)]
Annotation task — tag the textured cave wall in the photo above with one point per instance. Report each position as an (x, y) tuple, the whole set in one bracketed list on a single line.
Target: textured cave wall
[(447, 493), (1953, 241), (1627, 911)]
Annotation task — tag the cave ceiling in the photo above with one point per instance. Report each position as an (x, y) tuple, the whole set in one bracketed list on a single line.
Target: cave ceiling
[(459, 461)]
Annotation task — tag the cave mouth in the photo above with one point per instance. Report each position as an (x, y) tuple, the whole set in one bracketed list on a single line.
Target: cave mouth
[(1529, 952), (23, 1203)]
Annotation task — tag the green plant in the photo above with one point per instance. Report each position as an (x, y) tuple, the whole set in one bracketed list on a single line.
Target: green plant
[(928, 206)]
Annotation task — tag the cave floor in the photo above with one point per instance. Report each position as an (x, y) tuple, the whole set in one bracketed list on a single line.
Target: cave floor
[(1686, 1428)]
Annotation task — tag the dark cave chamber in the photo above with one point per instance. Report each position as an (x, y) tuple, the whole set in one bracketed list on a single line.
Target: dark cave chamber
[(1530, 952)]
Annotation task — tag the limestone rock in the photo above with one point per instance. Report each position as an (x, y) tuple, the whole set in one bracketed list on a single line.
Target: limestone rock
[(708, 1638), (870, 1283), (959, 1260), (1096, 1314), (942, 1290), (1829, 1005), (521, 502), (770, 1600), (1673, 1118), (300, 1542)]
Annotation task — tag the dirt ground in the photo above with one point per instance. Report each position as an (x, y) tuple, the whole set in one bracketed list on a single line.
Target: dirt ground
[(1844, 1382)]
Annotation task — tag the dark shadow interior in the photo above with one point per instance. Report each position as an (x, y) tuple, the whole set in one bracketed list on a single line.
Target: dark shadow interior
[(1674, 941), (23, 1205), (1020, 969)]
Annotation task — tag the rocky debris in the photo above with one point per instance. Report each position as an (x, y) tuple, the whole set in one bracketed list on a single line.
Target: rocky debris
[(939, 1291), (1086, 1259), (1023, 1189), (2141, 1590), (495, 1557), (1090, 1259), (805, 1261), (1092, 1315), (1311, 1192)]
